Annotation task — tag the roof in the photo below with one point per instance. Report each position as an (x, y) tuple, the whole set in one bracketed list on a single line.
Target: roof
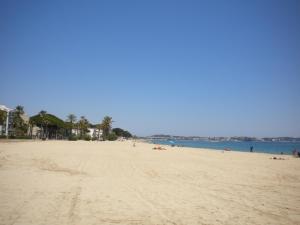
[(4, 108)]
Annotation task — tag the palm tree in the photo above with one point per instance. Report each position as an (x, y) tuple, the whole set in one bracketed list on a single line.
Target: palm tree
[(106, 126), (43, 114), (31, 125), (2, 117), (83, 125), (20, 127), (20, 109), (71, 118)]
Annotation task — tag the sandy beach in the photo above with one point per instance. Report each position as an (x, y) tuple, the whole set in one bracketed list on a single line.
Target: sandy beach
[(85, 183)]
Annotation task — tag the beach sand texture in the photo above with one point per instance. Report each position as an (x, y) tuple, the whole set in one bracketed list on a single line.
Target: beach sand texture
[(85, 183)]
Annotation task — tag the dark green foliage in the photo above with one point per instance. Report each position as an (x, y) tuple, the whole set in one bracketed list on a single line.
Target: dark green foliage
[(82, 126), (106, 126), (19, 125), (48, 119), (19, 137), (112, 136), (87, 137), (94, 138), (52, 126), (127, 134), (94, 125), (122, 133), (73, 138), (2, 117), (70, 124), (118, 131)]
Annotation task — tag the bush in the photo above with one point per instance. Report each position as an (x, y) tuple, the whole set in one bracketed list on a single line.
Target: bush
[(112, 136), (87, 138), (2, 136), (19, 137), (72, 138)]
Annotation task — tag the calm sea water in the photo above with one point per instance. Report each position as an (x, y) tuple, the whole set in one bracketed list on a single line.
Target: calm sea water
[(265, 147)]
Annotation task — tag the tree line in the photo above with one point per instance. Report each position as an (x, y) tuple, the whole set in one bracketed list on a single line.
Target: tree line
[(50, 126)]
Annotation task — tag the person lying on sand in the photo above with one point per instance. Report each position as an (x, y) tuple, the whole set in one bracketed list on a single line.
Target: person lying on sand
[(277, 158), (159, 148)]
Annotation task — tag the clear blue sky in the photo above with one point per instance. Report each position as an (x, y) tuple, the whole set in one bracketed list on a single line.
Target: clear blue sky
[(208, 68)]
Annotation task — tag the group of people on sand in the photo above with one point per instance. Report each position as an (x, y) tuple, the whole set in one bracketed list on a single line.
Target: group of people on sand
[(158, 148)]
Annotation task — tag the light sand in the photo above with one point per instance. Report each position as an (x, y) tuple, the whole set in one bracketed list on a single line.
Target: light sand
[(85, 183)]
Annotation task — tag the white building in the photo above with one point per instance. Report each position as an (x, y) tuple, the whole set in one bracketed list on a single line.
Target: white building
[(5, 127), (93, 133)]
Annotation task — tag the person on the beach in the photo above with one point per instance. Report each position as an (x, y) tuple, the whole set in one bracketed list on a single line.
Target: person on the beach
[(295, 153), (251, 149)]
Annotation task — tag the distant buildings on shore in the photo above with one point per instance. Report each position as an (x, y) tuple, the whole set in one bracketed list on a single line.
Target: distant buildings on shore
[(92, 132), (7, 126), (212, 139)]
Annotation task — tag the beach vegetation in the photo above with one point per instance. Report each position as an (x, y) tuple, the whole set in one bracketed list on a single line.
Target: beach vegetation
[(82, 126), (87, 137), (19, 137), (122, 133), (105, 126), (48, 126), (73, 137), (112, 136), (51, 126), (2, 117), (70, 123), (20, 126)]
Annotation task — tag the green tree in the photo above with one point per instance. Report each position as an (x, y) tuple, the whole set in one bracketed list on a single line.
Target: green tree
[(106, 126), (2, 117), (20, 109), (71, 119), (51, 126), (122, 133), (44, 123), (127, 134), (83, 125), (31, 125), (118, 131), (112, 136), (19, 125)]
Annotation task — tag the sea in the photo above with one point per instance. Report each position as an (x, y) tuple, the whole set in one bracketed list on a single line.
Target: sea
[(285, 148)]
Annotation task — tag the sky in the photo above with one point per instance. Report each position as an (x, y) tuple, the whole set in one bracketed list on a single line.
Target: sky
[(206, 68)]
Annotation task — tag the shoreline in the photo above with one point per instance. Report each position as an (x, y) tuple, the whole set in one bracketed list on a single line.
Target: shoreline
[(221, 150), (149, 143)]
